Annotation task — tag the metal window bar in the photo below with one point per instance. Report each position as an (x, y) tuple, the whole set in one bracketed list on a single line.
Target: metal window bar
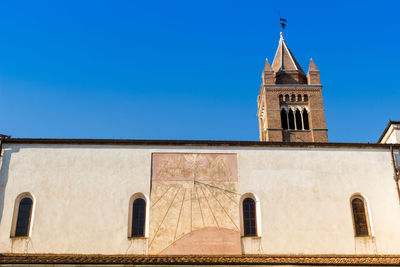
[(138, 217), (360, 218), (24, 217), (249, 217)]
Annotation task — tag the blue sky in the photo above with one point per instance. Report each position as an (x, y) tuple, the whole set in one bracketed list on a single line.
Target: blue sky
[(189, 69)]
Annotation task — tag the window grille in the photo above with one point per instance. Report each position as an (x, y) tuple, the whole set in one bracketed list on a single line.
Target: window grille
[(138, 217), (24, 217), (249, 217), (360, 218)]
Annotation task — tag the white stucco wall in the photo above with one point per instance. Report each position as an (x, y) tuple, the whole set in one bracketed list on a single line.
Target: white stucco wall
[(82, 196)]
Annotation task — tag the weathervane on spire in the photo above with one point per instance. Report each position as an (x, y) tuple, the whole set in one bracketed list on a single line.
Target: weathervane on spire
[(282, 22)]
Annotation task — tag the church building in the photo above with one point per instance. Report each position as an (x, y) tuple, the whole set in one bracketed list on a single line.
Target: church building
[(292, 198)]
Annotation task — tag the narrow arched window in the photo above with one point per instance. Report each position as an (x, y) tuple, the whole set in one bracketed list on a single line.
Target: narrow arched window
[(249, 217), (284, 119), (360, 217), (280, 98), (291, 120), (293, 98), (138, 217), (299, 98), (299, 123), (24, 217), (305, 97), (286, 97), (305, 120)]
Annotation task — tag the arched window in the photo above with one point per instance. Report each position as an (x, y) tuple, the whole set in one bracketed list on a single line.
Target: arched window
[(299, 98), (305, 120), (280, 98), (286, 97), (249, 217), (360, 217), (293, 98), (138, 217), (284, 119), (24, 217), (291, 120), (299, 123), (305, 97)]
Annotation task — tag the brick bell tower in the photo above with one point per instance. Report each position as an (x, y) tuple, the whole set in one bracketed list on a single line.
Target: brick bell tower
[(290, 107)]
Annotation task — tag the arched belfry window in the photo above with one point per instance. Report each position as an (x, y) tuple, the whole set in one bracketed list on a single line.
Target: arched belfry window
[(305, 98), (280, 98), (249, 217), (138, 217), (293, 98), (299, 123), (360, 216), (22, 221), (284, 119), (298, 97), (305, 120), (291, 120)]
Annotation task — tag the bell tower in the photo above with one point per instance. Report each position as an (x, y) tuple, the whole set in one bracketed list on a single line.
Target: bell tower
[(290, 106)]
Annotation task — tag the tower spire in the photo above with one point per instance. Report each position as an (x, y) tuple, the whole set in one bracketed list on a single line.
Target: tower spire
[(287, 69), (290, 106)]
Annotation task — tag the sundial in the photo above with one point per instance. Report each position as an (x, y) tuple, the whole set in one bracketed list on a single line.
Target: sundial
[(194, 198)]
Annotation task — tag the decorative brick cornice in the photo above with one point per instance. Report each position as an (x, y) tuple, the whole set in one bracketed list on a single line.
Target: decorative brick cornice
[(307, 87), (190, 143), (313, 260)]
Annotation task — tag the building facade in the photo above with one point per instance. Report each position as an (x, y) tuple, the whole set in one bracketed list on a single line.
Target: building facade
[(292, 198)]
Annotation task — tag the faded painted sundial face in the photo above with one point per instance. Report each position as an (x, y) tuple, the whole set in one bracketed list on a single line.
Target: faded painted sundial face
[(194, 204)]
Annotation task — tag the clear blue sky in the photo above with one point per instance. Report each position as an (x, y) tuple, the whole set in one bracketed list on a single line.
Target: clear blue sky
[(189, 69)]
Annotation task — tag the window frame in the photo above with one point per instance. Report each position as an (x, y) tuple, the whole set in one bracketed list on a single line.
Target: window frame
[(247, 227), (257, 215), (366, 214), (19, 198), (146, 216)]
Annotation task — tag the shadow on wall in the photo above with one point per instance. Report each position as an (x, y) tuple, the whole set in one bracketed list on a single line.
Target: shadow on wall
[(397, 158), (5, 166)]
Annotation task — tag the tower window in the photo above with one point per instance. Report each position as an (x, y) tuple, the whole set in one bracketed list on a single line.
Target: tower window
[(287, 98), (293, 98), (249, 217), (305, 97), (299, 123), (360, 217), (291, 120), (305, 120), (299, 98), (280, 98), (138, 217), (284, 119), (24, 217)]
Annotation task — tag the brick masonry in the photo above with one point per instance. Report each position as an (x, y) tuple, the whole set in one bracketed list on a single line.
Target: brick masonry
[(286, 78)]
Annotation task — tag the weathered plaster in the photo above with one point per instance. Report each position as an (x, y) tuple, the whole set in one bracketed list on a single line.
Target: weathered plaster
[(82, 195)]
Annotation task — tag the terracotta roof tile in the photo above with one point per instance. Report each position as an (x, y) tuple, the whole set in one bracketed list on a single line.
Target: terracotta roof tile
[(201, 259)]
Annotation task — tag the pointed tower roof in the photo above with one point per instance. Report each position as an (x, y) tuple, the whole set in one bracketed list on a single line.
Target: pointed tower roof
[(284, 59), (312, 66), (267, 66)]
